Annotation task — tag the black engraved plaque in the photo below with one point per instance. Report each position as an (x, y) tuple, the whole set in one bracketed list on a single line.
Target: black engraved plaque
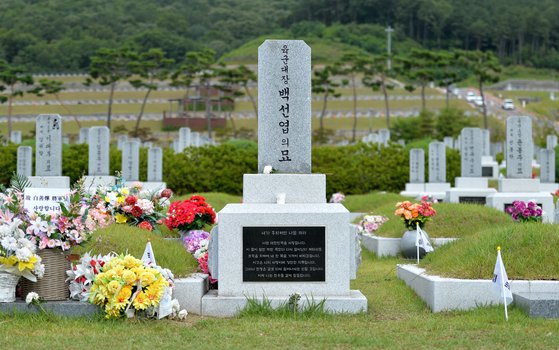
[(284, 254)]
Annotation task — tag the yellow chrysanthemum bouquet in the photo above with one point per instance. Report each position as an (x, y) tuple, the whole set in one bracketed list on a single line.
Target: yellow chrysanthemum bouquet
[(125, 286)]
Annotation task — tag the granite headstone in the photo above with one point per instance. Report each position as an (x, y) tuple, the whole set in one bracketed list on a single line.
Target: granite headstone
[(437, 162), (519, 149), (284, 109), (99, 142), (547, 165), (131, 161), (470, 152), (155, 164), (417, 165), (24, 160), (48, 159)]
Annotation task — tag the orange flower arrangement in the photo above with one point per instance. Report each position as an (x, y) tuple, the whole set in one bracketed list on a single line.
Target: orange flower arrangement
[(415, 213)]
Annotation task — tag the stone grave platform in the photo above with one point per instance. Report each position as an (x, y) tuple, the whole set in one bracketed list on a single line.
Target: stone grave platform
[(63, 308), (545, 305)]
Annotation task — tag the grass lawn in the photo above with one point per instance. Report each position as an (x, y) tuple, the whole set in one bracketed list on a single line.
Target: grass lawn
[(397, 319)]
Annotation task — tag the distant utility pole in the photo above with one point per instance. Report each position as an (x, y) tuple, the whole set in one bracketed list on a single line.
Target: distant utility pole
[(389, 31)]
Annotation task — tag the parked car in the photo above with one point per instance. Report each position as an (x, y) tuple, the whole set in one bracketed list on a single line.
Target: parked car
[(507, 105), (470, 96), (478, 101)]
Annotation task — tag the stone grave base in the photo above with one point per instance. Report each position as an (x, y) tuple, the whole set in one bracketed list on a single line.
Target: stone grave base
[(49, 181), (549, 187), (499, 201), (535, 304), (219, 306), (92, 183), (298, 188), (470, 182), (413, 189), (64, 308), (469, 195), (385, 246), (444, 294), (519, 185)]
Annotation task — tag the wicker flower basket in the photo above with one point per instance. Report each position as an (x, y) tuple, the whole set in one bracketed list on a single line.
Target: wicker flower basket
[(8, 283), (53, 285)]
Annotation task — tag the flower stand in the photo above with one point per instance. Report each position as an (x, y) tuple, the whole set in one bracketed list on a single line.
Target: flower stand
[(53, 285), (8, 283)]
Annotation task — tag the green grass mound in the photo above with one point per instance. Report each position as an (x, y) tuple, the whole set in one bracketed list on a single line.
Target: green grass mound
[(452, 220), (123, 238), (529, 252), (370, 202)]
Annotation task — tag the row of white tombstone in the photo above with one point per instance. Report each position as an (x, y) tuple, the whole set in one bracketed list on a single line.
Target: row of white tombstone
[(48, 159), (472, 185)]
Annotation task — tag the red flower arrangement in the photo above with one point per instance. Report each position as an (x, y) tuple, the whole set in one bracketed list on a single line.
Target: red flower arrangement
[(190, 214)]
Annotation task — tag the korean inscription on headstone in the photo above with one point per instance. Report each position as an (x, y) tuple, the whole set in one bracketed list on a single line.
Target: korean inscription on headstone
[(547, 165), (99, 140), (470, 152), (437, 162), (131, 160), (417, 165), (155, 164), (48, 138), (520, 147), (284, 106), (24, 160)]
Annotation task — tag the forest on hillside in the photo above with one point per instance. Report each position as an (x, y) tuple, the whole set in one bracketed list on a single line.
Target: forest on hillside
[(62, 35)]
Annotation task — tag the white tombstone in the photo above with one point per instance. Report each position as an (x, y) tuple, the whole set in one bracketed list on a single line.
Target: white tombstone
[(437, 186), (184, 140), (155, 170), (519, 184), (24, 161), (131, 161), (99, 138), (48, 153), (121, 139), (551, 141), (15, 137), (416, 184), (322, 263), (84, 136)]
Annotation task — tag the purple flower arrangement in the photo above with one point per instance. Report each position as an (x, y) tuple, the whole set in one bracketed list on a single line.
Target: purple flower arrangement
[(196, 242), (525, 211)]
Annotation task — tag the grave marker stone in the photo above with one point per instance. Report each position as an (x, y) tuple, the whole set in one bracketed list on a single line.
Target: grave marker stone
[(121, 139), (284, 109), (547, 165), (84, 136), (486, 142), (155, 164), (417, 165), (184, 139), (384, 136), (25, 160), (15, 137), (99, 141), (131, 161), (48, 159), (437, 162), (448, 141), (519, 150), (551, 141), (470, 152)]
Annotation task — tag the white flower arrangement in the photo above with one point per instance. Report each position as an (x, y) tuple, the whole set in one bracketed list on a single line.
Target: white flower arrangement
[(17, 253)]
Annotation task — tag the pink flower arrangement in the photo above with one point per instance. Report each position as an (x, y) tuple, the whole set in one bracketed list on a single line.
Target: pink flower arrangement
[(525, 211), (370, 223)]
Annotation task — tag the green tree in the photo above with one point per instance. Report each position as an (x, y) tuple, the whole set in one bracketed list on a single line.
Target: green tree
[(451, 121), (54, 87), (377, 77), (420, 69), (322, 84), (108, 67), (352, 64), (13, 81), (151, 67), (448, 72), (485, 67)]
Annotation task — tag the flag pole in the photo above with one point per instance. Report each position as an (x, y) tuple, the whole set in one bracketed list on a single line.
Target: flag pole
[(503, 286), (417, 241)]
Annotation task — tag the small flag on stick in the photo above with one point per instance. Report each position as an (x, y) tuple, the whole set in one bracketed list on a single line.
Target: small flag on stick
[(501, 283), (149, 258), (421, 241)]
